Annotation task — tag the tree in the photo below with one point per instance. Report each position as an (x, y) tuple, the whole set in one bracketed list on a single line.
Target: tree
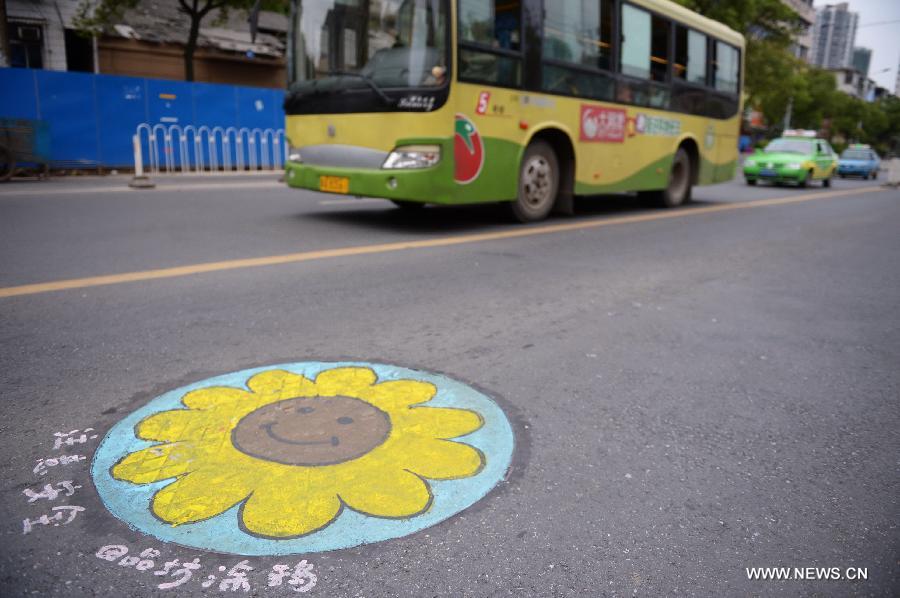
[(95, 15), (769, 27)]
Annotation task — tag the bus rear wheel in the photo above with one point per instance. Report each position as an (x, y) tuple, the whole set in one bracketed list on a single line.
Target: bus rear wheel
[(538, 183), (678, 190)]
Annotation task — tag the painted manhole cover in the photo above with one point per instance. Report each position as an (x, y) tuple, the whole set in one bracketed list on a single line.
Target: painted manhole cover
[(303, 457)]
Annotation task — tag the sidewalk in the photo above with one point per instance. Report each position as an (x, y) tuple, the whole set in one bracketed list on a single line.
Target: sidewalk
[(118, 183)]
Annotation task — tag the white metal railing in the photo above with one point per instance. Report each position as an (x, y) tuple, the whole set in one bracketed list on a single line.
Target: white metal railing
[(172, 148)]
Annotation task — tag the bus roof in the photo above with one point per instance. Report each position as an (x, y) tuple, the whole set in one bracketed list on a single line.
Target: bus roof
[(692, 19)]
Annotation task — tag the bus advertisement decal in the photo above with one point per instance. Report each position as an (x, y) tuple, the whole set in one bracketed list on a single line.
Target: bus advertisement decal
[(643, 124), (468, 151), (606, 125)]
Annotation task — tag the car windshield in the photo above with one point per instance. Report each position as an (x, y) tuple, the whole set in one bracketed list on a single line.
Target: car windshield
[(340, 44), (855, 155), (790, 146)]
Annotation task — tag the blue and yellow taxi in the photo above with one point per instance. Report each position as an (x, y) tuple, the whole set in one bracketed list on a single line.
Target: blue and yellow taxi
[(797, 157), (859, 160)]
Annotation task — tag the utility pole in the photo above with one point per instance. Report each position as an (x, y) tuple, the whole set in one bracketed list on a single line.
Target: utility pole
[(788, 114), (4, 35)]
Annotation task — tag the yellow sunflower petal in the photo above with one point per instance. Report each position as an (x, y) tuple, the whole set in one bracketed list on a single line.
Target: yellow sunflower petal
[(155, 463), (349, 381), (442, 459), (201, 495), (279, 384), (386, 492), (397, 394), (440, 422), (216, 396), (278, 510), (181, 424)]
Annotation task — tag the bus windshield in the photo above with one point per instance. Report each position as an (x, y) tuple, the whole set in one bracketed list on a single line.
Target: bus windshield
[(354, 44)]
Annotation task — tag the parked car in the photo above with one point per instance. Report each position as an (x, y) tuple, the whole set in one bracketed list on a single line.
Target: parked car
[(859, 160), (798, 157)]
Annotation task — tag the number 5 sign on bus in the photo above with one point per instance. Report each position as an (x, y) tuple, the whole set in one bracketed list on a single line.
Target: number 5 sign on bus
[(483, 99)]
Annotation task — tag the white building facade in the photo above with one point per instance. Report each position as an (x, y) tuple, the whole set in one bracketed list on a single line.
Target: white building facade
[(834, 35)]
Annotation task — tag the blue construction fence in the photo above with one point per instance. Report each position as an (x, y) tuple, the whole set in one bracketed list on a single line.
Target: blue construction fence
[(92, 118)]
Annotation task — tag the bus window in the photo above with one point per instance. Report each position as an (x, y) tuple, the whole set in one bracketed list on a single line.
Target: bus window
[(635, 42), (727, 66), (580, 32), (659, 49), (489, 31), (645, 44), (495, 23), (690, 56)]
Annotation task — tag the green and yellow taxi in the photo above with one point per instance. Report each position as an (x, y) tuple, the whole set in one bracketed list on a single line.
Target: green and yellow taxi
[(798, 157)]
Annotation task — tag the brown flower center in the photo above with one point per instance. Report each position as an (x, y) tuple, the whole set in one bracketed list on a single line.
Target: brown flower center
[(312, 430)]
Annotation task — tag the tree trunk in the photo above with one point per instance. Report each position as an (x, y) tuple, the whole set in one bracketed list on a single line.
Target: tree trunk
[(191, 46)]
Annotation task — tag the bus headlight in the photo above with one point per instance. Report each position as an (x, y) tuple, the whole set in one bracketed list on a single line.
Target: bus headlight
[(413, 156), (294, 154)]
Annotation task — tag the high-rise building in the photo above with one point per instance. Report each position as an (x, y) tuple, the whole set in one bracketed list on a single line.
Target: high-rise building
[(833, 36), (861, 59), (897, 84), (802, 42)]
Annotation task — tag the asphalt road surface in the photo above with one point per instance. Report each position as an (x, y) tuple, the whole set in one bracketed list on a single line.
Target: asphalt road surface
[(692, 393)]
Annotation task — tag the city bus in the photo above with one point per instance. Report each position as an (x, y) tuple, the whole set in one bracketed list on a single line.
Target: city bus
[(529, 102)]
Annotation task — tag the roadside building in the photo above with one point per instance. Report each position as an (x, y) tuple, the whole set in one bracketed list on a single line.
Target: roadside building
[(41, 36), (862, 57), (803, 41), (149, 42), (834, 35), (853, 83)]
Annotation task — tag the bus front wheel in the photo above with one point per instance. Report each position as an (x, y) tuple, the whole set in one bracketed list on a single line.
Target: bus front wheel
[(538, 183)]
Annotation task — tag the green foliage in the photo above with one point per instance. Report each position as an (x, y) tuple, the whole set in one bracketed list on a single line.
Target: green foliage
[(774, 79), (768, 26)]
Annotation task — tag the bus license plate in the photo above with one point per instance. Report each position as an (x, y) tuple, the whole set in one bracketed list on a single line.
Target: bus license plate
[(334, 184)]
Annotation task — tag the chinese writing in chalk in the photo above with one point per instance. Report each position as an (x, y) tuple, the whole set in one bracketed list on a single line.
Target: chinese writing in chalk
[(50, 492), (62, 514), (299, 577), (44, 464), (70, 438), (56, 519)]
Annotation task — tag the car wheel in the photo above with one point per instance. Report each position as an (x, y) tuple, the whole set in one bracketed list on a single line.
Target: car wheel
[(538, 183), (751, 182), (826, 182), (874, 175), (843, 176)]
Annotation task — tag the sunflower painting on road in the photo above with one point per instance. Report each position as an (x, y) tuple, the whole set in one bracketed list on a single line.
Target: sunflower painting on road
[(303, 457)]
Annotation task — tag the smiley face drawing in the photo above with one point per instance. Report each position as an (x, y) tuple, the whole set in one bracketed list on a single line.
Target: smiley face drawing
[(312, 430), (302, 457)]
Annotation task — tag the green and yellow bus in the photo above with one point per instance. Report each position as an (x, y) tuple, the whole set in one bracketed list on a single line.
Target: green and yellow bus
[(525, 101)]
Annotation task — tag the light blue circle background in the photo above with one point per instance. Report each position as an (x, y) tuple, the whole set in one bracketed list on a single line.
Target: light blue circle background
[(131, 502)]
